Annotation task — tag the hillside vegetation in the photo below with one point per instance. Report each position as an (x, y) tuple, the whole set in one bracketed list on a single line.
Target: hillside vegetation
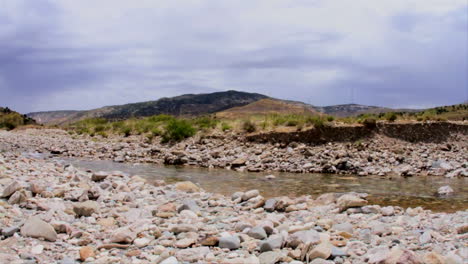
[(187, 105), (259, 117), (444, 113), (10, 119)]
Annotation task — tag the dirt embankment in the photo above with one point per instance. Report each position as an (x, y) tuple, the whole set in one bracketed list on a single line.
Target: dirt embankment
[(436, 132)]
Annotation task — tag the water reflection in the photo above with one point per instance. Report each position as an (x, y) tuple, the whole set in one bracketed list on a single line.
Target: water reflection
[(405, 192)]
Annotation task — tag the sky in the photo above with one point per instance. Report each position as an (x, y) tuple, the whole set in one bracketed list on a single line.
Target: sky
[(69, 54)]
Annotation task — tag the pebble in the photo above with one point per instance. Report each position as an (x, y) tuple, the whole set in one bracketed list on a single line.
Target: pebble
[(229, 242)]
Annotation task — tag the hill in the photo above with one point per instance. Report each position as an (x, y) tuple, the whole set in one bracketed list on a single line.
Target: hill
[(183, 105), (346, 110), (52, 117), (267, 106), (10, 119)]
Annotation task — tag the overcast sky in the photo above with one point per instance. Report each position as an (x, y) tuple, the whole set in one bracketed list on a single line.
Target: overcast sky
[(82, 54)]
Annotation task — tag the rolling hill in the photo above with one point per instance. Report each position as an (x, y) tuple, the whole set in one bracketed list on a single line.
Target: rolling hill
[(228, 104), (267, 106), (10, 119), (183, 105)]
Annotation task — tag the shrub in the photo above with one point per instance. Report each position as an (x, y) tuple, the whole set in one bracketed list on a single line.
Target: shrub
[(156, 132), (102, 134), (316, 121), (369, 122), (205, 122), (99, 128), (160, 118), (176, 130), (225, 126), (391, 116), (292, 122), (248, 126), (126, 131), (330, 118)]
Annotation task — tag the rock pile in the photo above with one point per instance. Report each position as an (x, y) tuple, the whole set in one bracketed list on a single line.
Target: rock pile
[(377, 156), (65, 215)]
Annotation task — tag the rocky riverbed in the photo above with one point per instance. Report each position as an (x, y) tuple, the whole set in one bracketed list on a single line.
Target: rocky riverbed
[(379, 155), (56, 213)]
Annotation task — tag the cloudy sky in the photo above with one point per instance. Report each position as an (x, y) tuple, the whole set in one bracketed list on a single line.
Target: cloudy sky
[(69, 54)]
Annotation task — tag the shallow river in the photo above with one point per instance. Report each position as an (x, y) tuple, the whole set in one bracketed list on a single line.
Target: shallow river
[(405, 192)]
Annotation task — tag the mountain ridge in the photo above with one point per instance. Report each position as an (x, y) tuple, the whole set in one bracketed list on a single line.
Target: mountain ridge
[(230, 103)]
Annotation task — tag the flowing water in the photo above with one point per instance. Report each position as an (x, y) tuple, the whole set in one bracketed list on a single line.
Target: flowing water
[(404, 192)]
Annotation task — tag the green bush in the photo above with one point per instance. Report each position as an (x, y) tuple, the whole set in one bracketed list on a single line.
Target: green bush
[(370, 122), (160, 118), (225, 126), (126, 131), (391, 116), (330, 118), (316, 121), (205, 122), (248, 126), (177, 130), (102, 134)]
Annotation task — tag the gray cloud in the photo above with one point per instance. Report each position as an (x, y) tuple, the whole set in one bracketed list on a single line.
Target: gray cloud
[(82, 54)]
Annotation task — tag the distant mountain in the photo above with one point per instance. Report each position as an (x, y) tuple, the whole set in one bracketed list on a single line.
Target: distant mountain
[(10, 119), (346, 110), (183, 105), (52, 117), (231, 104)]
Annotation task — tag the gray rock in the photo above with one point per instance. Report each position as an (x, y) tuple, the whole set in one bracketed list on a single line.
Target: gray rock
[(170, 260), (99, 176), (11, 189), (425, 237), (303, 237), (86, 208), (445, 190), (123, 235), (378, 254), (9, 231), (36, 228), (322, 250), (270, 205), (387, 211), (272, 243), (189, 205), (236, 195), (270, 257), (18, 197), (321, 261), (346, 227), (349, 201), (230, 242), (67, 260), (337, 252), (257, 232), (250, 194), (183, 228)]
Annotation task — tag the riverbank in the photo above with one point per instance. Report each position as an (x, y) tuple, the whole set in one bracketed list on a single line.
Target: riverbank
[(56, 213), (377, 155)]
